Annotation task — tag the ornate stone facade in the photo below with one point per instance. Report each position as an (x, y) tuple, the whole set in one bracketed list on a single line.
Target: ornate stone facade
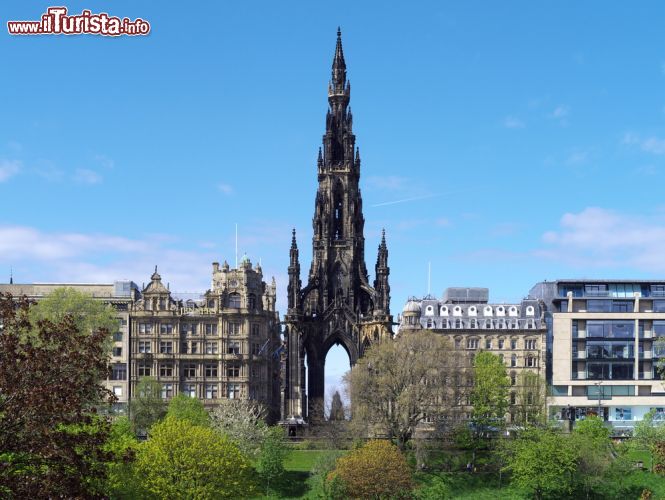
[(515, 332), (337, 305), (222, 347)]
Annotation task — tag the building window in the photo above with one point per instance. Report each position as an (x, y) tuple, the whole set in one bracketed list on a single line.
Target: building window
[(145, 370), (117, 337), (193, 347), (255, 330), (166, 370), (458, 323), (488, 343), (211, 347), (167, 391), (234, 301), (211, 370), (234, 328), (211, 328), (119, 371), (458, 343), (188, 329), (233, 371), (145, 328), (472, 344), (145, 346), (211, 391), (512, 398), (166, 347), (501, 341), (233, 347), (623, 414), (211, 304), (166, 328), (513, 360), (117, 391), (513, 344), (233, 391), (429, 323), (189, 370), (488, 323), (189, 390), (117, 351), (530, 362), (473, 323), (530, 344), (251, 301), (513, 378)]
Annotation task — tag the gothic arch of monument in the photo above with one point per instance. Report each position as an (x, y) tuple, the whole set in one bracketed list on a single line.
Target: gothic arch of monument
[(338, 305)]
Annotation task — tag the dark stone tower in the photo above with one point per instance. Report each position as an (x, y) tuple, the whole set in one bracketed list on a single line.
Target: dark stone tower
[(338, 305)]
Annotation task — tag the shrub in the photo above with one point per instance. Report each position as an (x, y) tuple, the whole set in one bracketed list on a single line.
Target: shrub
[(376, 470)]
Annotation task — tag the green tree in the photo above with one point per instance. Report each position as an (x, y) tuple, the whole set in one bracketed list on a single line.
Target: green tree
[(146, 406), (88, 314), (121, 448), (182, 460), (647, 433), (398, 384), (191, 409), (489, 397), (542, 461), (50, 370), (270, 464), (591, 439), (376, 470)]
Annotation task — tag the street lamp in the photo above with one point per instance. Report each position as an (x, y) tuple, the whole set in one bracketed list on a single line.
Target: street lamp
[(597, 384)]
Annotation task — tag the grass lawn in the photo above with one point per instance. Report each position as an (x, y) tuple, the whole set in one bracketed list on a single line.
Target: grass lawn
[(303, 460)]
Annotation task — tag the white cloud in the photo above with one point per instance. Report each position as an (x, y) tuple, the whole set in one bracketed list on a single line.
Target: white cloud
[(512, 122), (560, 112), (598, 237), (86, 176), (226, 189), (9, 168), (577, 157), (653, 145), (105, 161)]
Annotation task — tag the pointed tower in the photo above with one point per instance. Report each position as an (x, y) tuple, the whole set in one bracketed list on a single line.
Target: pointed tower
[(338, 305)]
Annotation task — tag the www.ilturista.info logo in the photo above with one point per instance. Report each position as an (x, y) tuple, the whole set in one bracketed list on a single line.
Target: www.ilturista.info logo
[(56, 22)]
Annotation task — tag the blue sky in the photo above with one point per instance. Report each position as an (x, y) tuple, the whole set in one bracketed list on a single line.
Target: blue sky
[(529, 138)]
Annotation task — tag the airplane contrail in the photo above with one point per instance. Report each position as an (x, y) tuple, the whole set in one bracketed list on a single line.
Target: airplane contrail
[(404, 200)]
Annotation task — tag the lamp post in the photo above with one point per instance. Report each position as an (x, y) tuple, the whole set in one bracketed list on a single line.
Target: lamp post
[(597, 384)]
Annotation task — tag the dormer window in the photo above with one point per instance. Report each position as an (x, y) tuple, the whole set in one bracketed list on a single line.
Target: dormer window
[(429, 311), (529, 311), (444, 311)]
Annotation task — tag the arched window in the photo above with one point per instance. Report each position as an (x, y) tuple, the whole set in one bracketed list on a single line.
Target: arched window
[(429, 311), (513, 378), (472, 323), (429, 323), (234, 301), (211, 303), (251, 301), (513, 360), (488, 323), (529, 311), (458, 323)]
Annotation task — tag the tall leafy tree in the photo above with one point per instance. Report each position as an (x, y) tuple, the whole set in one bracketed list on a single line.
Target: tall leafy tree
[(53, 356), (489, 397), (648, 434), (398, 384), (186, 408), (542, 461), (146, 406), (183, 460), (270, 464)]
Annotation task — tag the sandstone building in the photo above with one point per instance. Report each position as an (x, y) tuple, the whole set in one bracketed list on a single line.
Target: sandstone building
[(515, 332)]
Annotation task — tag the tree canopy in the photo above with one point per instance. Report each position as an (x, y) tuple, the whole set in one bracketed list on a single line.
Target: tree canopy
[(398, 384), (183, 460), (53, 356)]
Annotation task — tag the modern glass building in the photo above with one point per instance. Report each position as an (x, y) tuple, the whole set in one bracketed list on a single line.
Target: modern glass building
[(603, 349)]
